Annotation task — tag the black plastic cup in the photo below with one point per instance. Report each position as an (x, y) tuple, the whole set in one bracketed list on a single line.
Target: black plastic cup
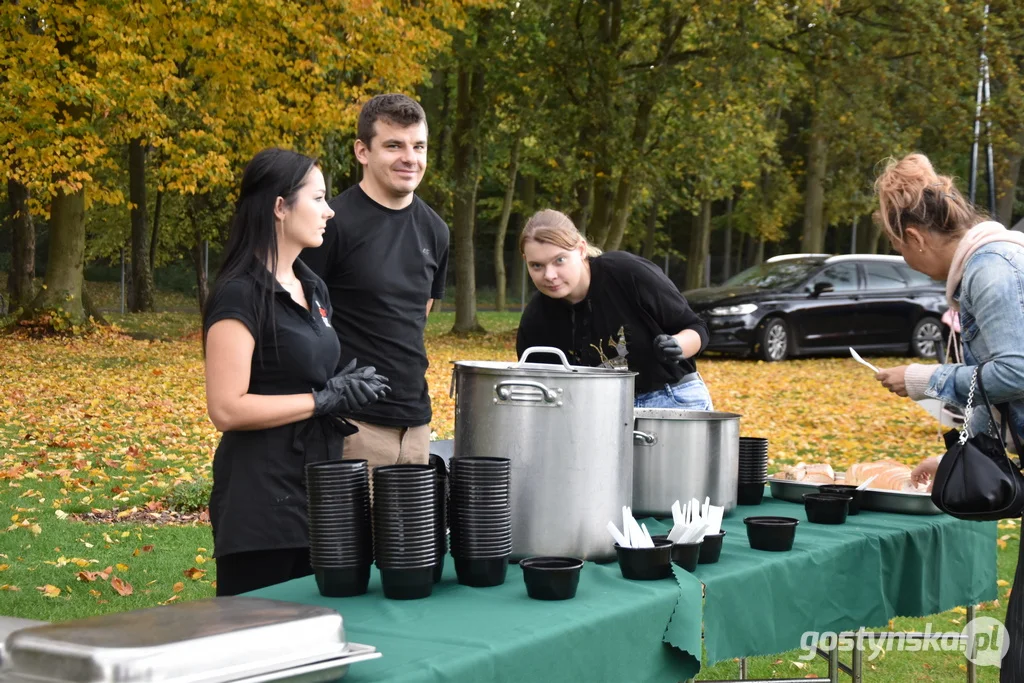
[(342, 582), (774, 534), (749, 494), (826, 508), (645, 564), (407, 584), (551, 578), (856, 495), (481, 572), (685, 555), (711, 548)]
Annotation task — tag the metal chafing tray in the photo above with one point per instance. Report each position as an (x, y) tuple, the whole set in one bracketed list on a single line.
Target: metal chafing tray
[(207, 641), (879, 500), (9, 625)]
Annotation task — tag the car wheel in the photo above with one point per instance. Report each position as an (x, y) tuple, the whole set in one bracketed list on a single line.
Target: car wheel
[(773, 344), (926, 341)]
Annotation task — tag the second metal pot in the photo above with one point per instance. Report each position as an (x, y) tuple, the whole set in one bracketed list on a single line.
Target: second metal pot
[(684, 454)]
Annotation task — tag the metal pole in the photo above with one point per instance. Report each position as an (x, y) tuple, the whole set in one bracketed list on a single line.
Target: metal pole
[(122, 280), (979, 98), (853, 237), (743, 668), (990, 162), (972, 672)]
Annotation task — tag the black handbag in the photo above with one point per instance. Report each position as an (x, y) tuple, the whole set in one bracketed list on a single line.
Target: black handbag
[(976, 480)]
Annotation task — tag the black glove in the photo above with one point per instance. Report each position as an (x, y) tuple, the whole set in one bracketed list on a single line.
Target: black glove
[(667, 349), (350, 391)]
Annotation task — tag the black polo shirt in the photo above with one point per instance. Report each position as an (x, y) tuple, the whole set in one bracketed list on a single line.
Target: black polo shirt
[(259, 493), (381, 266), (630, 302)]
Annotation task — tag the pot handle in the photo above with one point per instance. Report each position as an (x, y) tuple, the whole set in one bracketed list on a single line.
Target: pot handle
[(504, 389), (546, 349), (643, 438)]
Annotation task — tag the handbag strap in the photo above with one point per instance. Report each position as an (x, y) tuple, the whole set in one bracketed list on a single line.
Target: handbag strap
[(988, 404)]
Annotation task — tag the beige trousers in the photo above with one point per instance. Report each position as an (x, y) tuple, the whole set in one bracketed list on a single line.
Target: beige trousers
[(382, 445)]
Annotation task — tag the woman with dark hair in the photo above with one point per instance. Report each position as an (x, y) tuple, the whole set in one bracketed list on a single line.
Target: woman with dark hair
[(272, 385), (941, 235)]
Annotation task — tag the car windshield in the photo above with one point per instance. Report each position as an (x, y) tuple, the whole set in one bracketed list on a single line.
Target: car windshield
[(778, 275)]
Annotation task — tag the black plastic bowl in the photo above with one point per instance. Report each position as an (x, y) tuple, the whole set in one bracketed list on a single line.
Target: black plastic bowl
[(771, 533), (826, 508), (481, 572), (845, 490), (342, 582), (551, 578), (749, 494), (645, 564), (407, 584), (685, 555)]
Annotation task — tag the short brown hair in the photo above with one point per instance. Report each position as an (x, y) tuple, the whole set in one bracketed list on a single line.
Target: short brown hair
[(912, 195), (394, 108)]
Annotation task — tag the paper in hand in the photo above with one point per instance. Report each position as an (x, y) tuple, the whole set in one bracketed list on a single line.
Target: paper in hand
[(856, 357)]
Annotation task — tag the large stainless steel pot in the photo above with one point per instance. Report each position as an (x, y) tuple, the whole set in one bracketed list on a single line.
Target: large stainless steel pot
[(684, 454), (568, 431)]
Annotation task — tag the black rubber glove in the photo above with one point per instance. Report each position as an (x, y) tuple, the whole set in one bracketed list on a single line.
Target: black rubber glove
[(667, 349), (350, 391)]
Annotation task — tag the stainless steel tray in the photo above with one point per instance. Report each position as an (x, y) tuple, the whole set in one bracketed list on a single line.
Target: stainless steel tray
[(9, 625), (895, 501), (207, 641), (879, 500), (793, 491)]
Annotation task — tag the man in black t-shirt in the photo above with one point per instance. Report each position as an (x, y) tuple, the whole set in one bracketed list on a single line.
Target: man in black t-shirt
[(384, 259)]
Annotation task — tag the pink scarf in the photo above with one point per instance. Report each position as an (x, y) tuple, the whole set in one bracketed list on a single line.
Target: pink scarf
[(980, 234)]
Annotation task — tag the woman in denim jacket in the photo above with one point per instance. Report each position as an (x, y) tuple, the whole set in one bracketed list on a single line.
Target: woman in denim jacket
[(939, 234)]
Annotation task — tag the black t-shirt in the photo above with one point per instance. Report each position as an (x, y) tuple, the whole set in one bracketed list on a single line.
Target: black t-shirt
[(629, 303), (259, 495), (381, 266)]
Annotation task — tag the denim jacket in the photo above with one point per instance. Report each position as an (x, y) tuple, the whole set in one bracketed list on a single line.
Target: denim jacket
[(991, 297)]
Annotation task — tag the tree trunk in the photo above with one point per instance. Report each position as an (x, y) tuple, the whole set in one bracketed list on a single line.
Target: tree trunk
[(624, 192), (600, 220), (62, 286), (740, 261), (584, 204), (23, 246), (651, 231), (759, 255), (813, 238), (141, 298), (1006, 183), (464, 173), (506, 213), (727, 249), (154, 239), (700, 240), (202, 282), (520, 283)]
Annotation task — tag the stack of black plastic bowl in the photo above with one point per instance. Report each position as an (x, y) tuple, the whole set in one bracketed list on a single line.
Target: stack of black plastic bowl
[(340, 538), (441, 472), (481, 519), (405, 509), (753, 470)]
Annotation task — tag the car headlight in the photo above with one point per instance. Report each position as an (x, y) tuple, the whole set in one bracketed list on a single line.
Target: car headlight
[(738, 309)]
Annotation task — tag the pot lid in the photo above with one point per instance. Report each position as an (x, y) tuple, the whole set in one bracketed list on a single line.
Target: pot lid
[(680, 414), (523, 368)]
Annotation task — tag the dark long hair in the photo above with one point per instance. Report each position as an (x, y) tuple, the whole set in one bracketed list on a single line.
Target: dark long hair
[(252, 243)]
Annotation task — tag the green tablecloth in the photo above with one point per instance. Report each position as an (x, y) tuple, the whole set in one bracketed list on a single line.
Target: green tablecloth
[(863, 573)]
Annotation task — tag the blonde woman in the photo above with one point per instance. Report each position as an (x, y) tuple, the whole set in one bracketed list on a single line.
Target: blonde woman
[(941, 235), (611, 310)]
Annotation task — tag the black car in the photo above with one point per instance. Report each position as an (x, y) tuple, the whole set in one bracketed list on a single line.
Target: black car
[(803, 304)]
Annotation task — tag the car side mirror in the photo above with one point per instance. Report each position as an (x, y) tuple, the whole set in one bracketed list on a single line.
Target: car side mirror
[(822, 287)]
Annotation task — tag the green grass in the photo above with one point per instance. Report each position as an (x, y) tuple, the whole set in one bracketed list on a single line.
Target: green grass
[(49, 558)]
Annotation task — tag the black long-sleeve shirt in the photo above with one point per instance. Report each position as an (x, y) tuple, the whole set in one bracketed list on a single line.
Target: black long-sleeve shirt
[(629, 303)]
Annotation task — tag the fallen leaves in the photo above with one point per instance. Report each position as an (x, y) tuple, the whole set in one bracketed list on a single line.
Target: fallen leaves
[(178, 587), (121, 587), (194, 574), (48, 591)]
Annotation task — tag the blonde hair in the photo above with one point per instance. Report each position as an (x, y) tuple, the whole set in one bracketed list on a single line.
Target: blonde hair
[(553, 227), (911, 194)]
